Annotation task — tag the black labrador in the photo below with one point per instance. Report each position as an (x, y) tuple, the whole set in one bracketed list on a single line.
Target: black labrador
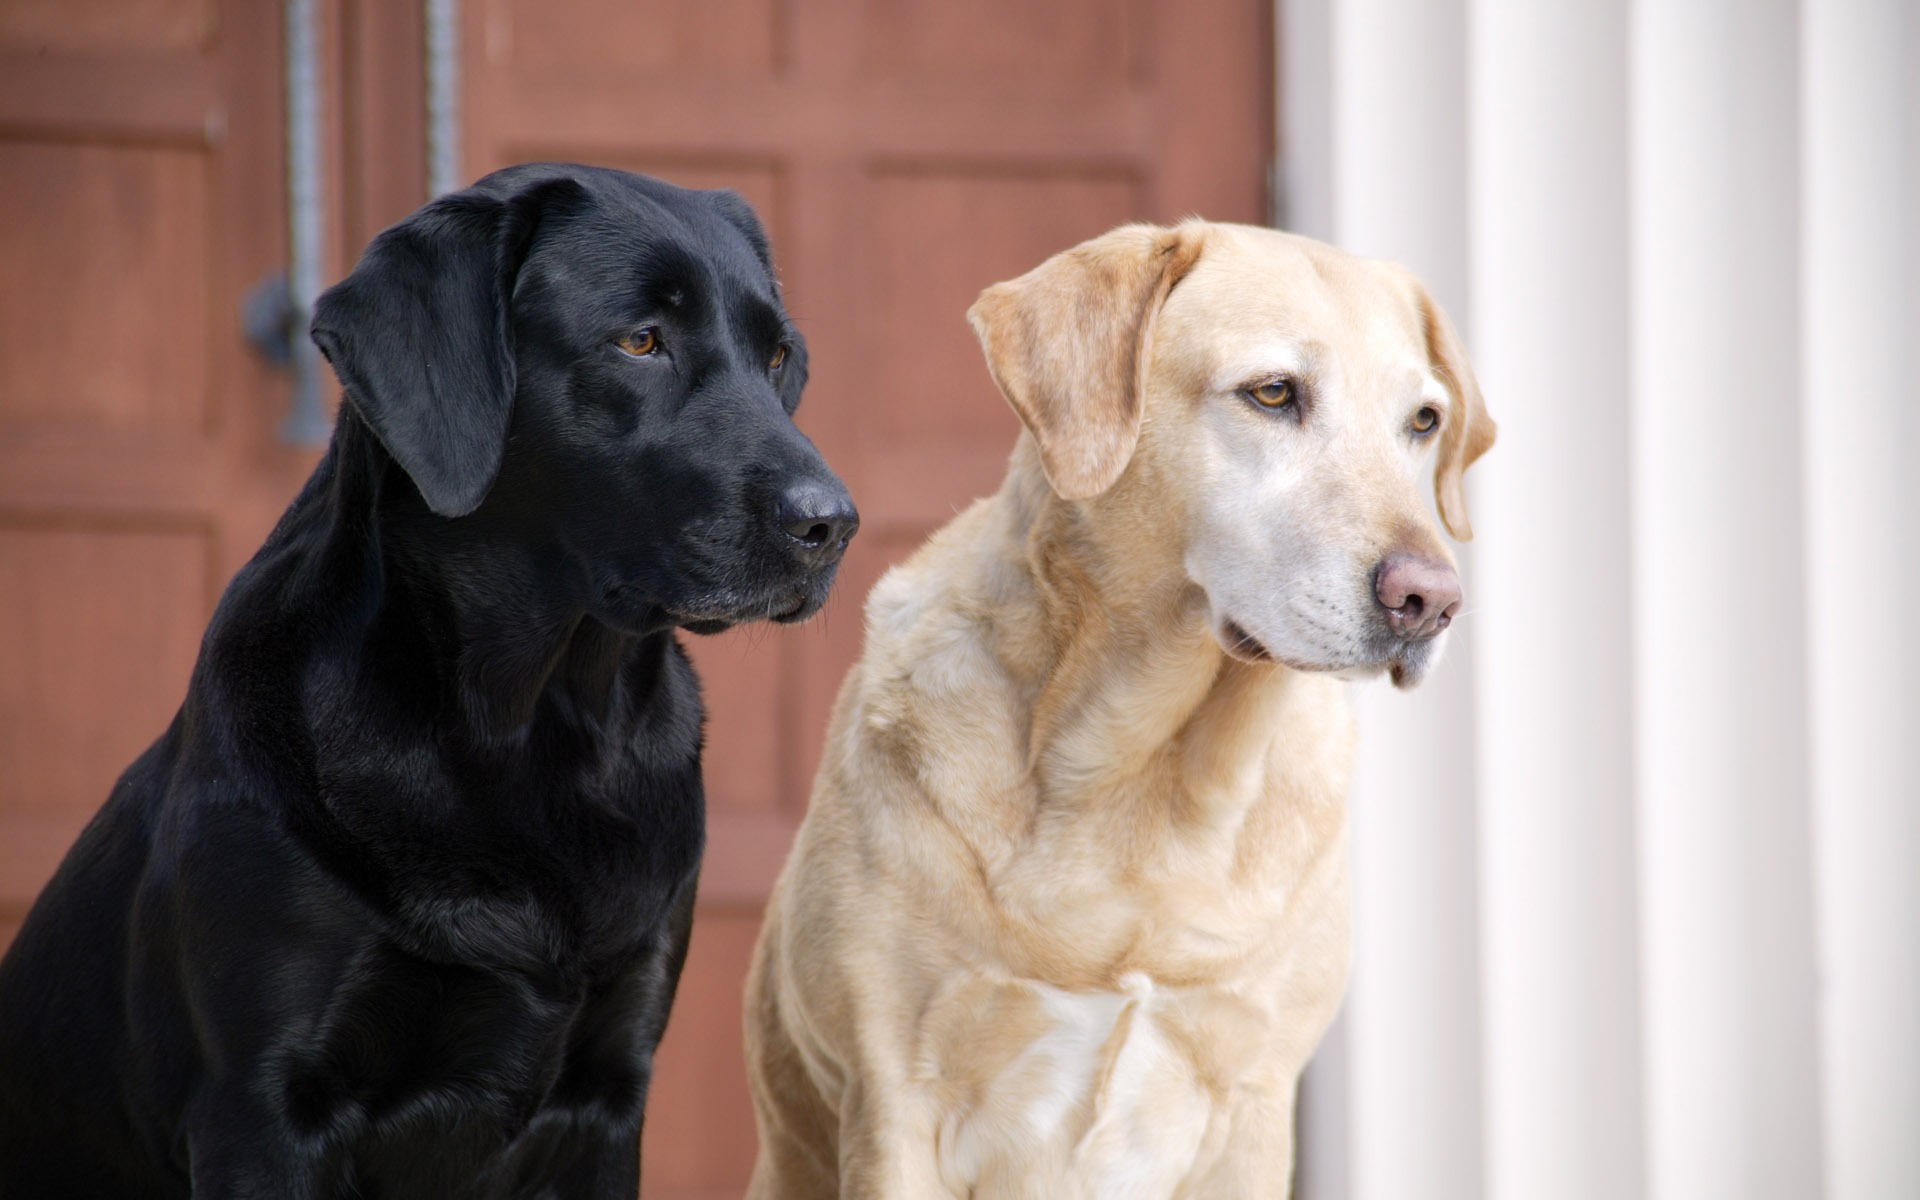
[(397, 905)]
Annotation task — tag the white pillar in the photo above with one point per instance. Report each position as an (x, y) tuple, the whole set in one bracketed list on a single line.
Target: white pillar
[(1860, 119), (1712, 401), (1553, 631), (1691, 266), (1303, 99), (1399, 190)]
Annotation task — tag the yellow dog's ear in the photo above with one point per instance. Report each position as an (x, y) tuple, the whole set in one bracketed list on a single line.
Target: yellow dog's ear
[(1470, 431), (1067, 343)]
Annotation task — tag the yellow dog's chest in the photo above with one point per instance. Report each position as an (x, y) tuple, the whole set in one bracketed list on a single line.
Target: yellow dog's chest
[(1045, 1092)]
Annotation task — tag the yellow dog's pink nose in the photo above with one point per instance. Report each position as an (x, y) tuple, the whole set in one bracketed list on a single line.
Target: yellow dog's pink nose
[(1420, 595)]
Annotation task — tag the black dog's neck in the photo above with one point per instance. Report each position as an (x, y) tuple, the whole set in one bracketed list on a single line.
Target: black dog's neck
[(450, 727), (490, 614)]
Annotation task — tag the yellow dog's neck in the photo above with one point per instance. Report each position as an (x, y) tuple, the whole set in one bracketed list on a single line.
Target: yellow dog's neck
[(1130, 687), (1170, 797)]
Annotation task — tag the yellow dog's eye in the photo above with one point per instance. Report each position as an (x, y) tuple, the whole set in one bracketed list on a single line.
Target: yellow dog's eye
[(641, 342), (1426, 420), (779, 359), (1276, 394)]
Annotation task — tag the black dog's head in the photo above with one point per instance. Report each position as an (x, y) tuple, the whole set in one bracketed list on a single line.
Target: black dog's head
[(602, 361)]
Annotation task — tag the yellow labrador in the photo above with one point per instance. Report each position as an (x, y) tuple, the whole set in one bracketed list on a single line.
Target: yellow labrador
[(1069, 911)]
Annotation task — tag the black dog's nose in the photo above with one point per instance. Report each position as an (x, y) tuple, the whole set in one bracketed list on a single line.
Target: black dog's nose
[(819, 516)]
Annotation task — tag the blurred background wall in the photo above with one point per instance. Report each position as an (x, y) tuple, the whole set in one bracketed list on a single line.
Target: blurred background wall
[(1637, 909)]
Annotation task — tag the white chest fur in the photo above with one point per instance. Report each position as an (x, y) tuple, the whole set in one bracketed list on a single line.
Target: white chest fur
[(1071, 1094)]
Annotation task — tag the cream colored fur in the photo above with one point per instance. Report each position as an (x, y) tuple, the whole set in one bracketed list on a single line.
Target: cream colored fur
[(1068, 913)]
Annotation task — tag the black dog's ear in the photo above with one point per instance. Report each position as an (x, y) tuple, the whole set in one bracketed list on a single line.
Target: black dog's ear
[(421, 336)]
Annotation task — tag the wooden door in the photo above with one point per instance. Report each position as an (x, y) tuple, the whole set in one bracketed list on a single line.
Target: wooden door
[(142, 196), (904, 154), (139, 198)]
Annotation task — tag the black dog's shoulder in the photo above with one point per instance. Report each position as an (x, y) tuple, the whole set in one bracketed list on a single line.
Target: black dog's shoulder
[(323, 705), (412, 971)]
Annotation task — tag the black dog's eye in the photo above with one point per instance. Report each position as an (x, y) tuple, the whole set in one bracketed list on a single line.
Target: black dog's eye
[(779, 359), (1426, 421), (641, 342), (1275, 394)]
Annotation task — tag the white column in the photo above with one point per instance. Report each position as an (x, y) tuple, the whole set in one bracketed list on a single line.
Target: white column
[(1549, 253), (1712, 402), (1399, 190), (1860, 119), (1303, 98)]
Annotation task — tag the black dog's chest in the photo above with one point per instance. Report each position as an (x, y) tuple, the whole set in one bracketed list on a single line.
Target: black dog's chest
[(426, 1075)]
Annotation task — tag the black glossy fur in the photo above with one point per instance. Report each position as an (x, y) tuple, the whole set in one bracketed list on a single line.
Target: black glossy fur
[(397, 905)]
